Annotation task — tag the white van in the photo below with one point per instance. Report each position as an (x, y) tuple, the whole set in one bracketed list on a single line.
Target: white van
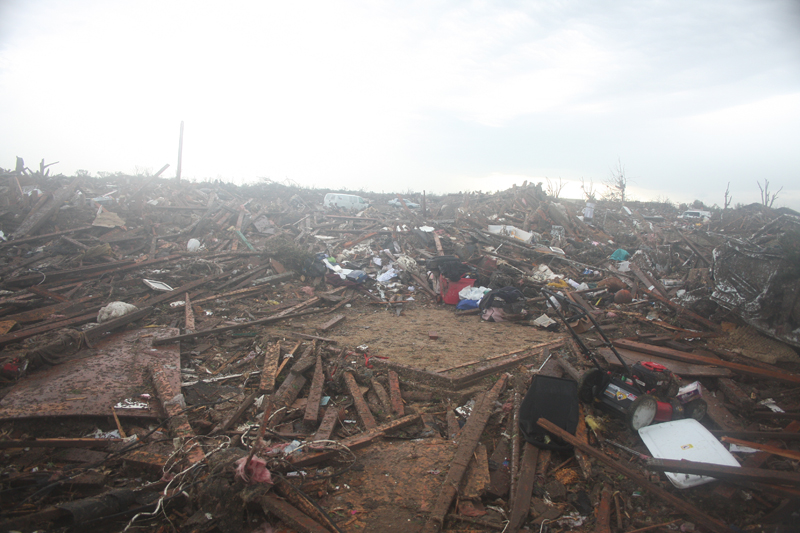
[(695, 214), (351, 202)]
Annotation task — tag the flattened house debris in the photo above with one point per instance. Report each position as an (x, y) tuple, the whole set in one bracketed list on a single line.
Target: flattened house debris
[(216, 358)]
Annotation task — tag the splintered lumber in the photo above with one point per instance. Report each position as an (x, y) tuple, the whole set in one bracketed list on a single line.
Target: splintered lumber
[(47, 294), (231, 420), (730, 473), (394, 393), (411, 373), (361, 405), (774, 450), (776, 436), (669, 353), (696, 514), (355, 442), (36, 218), (755, 460), (243, 325), (57, 443), (315, 393), (188, 319), (286, 394), (44, 236), (178, 421), (380, 392), (680, 310), (334, 321), (328, 423), (500, 478), (476, 481), (290, 514), (678, 367), (580, 433), (270, 370), (522, 498), (604, 511), (305, 361), (470, 436)]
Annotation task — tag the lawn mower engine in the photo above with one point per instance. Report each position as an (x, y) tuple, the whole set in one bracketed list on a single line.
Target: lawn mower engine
[(642, 394), (623, 394)]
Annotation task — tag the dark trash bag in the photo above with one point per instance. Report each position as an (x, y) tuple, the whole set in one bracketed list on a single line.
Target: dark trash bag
[(510, 299), (554, 399), (455, 270)]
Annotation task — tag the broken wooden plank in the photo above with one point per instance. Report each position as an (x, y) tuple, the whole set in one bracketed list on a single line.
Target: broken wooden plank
[(682, 311), (499, 366), (522, 499), (328, 423), (246, 403), (730, 473), (603, 524), (411, 373), (178, 422), (783, 376), (269, 372), (476, 481), (36, 219), (290, 514), (682, 369), (719, 414), (500, 477), (315, 394), (696, 514), (380, 392), (188, 317), (394, 393), (243, 325), (470, 436), (353, 443), (306, 361), (580, 433), (57, 443), (773, 450), (334, 321), (361, 406), (47, 294)]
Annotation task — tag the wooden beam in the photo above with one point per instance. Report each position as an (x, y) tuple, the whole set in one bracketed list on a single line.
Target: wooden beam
[(521, 505), (470, 436), (361, 406), (394, 393), (778, 375)]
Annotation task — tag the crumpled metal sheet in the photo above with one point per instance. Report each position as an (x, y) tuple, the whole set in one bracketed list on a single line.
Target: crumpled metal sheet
[(759, 279)]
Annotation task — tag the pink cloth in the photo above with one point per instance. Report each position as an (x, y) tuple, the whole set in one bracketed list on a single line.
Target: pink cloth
[(256, 471)]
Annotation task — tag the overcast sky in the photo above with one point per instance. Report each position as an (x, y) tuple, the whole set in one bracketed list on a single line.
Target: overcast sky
[(397, 96)]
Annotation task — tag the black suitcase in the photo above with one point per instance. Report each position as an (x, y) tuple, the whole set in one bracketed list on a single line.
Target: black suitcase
[(553, 399)]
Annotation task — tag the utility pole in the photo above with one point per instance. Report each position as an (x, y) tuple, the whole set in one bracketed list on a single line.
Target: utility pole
[(180, 155)]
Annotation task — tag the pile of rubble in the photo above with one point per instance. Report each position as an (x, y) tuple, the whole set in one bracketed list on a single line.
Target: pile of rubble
[(206, 357)]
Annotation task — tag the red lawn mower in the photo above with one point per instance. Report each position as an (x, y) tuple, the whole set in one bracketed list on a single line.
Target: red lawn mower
[(646, 393)]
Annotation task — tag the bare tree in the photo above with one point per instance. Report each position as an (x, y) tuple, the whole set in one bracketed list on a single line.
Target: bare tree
[(728, 197), (617, 183), (588, 190), (766, 199), (554, 188)]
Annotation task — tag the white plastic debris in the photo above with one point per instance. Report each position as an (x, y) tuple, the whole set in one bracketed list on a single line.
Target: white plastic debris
[(543, 321), (472, 293), (157, 285), (193, 245), (115, 310)]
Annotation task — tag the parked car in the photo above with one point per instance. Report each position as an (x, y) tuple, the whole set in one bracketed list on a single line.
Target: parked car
[(695, 214), (351, 202), (394, 202)]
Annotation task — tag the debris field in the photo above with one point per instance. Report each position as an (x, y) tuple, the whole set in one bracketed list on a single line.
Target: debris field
[(205, 357)]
